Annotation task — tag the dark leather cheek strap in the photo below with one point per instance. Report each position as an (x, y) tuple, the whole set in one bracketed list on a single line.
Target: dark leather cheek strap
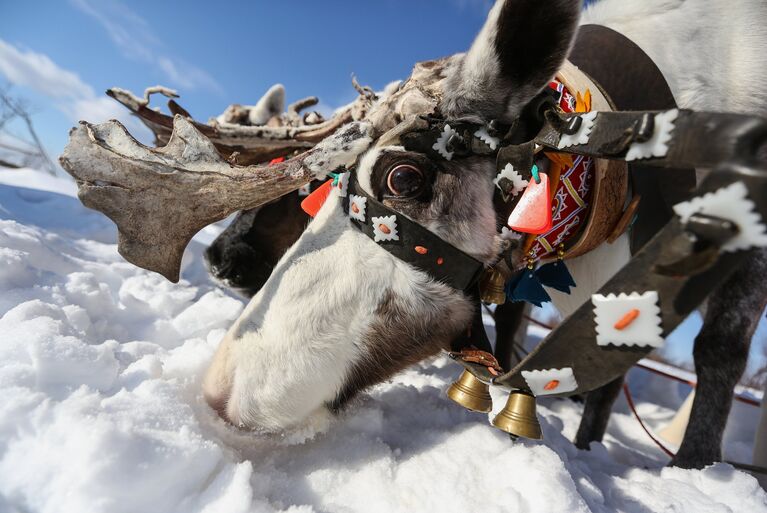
[(418, 246)]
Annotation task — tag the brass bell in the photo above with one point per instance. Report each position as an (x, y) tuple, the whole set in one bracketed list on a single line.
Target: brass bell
[(491, 287), (518, 417), (471, 393)]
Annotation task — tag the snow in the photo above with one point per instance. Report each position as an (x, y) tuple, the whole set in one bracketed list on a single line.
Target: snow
[(101, 411)]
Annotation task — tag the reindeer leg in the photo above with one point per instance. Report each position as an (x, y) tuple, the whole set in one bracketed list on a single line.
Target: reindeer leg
[(721, 352), (509, 318), (596, 413)]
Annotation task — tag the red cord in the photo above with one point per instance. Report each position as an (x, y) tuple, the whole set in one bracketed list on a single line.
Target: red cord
[(629, 400), (667, 375)]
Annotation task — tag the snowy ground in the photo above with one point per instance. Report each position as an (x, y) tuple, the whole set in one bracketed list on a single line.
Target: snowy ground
[(100, 407)]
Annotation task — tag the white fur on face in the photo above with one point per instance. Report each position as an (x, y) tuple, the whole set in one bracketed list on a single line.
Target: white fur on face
[(292, 345), (297, 344), (292, 349), (365, 168)]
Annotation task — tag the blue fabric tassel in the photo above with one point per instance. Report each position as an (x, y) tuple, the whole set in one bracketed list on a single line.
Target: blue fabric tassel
[(556, 276), (511, 285), (526, 287)]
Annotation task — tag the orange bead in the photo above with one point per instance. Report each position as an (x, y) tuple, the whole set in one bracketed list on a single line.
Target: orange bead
[(384, 228), (440, 261), (551, 385), (421, 250), (627, 319), (355, 208)]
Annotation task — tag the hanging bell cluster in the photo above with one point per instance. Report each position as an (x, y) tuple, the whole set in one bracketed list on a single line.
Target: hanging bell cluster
[(518, 417), (491, 286), (471, 393)]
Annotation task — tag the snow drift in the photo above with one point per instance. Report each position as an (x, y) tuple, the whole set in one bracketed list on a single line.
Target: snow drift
[(101, 411)]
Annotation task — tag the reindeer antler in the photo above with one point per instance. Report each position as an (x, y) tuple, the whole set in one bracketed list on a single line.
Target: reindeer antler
[(159, 198), (253, 144)]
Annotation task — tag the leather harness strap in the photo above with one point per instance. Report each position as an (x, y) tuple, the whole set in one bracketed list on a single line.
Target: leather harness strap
[(415, 244), (621, 77), (426, 252)]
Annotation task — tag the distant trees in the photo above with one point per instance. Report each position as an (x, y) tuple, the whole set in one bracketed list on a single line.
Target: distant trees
[(25, 149)]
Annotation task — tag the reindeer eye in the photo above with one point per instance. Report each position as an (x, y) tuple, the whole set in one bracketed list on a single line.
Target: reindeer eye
[(405, 180)]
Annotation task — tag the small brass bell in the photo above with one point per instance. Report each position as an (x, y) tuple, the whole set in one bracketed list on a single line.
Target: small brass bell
[(491, 287), (471, 393), (518, 417)]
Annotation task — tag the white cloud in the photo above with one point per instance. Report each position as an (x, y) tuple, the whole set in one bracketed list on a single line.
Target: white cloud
[(187, 77), (97, 110), (37, 71), (135, 39), (67, 91)]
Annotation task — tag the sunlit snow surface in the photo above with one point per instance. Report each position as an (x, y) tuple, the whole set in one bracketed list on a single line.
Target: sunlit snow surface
[(100, 407)]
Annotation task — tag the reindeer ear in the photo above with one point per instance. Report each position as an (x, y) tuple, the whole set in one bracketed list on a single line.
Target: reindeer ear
[(521, 46)]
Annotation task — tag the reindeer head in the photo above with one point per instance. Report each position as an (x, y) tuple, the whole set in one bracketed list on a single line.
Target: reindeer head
[(339, 311)]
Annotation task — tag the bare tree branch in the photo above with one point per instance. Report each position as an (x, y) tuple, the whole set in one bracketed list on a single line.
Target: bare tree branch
[(11, 165), (16, 109)]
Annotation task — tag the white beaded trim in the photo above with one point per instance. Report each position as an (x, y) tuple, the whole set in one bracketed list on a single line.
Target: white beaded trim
[(390, 222), (583, 133)]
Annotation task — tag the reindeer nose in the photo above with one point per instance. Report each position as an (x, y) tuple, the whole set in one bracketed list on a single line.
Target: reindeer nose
[(219, 405), (223, 404)]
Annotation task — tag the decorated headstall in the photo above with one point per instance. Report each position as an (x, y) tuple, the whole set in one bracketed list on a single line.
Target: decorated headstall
[(560, 193)]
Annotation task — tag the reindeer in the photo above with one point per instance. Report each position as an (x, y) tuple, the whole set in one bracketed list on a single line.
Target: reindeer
[(340, 313), (393, 315)]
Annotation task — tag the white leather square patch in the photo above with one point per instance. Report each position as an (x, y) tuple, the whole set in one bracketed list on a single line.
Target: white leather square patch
[(385, 228), (550, 381), (731, 203), (628, 319), (357, 207)]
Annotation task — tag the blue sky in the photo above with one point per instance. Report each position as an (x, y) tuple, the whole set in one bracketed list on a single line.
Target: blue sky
[(62, 55)]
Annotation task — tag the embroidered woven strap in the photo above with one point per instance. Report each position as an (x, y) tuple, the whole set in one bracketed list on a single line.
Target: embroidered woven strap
[(572, 180)]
